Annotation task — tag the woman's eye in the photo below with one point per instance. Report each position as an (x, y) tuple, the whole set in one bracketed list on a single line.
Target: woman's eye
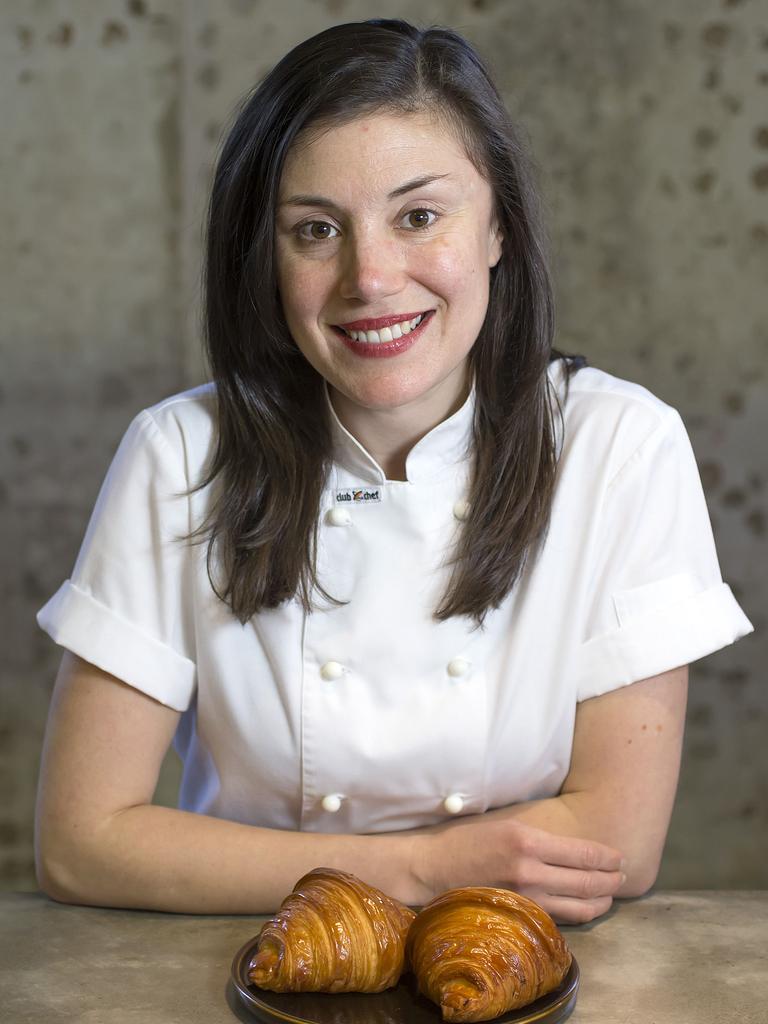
[(316, 231), (420, 218)]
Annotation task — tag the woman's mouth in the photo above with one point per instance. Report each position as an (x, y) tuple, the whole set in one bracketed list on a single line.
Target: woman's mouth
[(396, 337)]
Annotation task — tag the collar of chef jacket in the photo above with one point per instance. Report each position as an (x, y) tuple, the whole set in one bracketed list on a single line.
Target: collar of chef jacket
[(439, 450)]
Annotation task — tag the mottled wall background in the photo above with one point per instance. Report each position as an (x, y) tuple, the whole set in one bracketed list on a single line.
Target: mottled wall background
[(650, 125)]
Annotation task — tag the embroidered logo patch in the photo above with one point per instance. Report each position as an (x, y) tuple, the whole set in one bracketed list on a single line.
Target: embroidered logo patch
[(358, 495)]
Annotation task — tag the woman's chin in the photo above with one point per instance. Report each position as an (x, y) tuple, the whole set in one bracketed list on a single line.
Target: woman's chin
[(376, 395)]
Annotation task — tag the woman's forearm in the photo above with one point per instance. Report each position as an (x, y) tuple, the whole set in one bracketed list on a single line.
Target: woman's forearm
[(159, 858)]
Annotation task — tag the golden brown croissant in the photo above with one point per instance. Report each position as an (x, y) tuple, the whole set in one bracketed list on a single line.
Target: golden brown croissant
[(480, 952), (333, 933)]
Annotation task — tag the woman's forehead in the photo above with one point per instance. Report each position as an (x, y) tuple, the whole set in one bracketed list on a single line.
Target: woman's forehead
[(374, 147)]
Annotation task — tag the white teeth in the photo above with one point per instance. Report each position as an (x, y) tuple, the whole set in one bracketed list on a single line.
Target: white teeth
[(391, 333)]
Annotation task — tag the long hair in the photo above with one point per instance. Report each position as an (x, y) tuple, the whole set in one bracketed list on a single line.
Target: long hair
[(274, 441)]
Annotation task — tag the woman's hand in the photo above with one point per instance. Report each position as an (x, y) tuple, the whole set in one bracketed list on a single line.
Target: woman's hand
[(573, 879)]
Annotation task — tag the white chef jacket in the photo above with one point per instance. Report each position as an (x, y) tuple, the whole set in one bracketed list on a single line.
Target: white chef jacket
[(372, 716)]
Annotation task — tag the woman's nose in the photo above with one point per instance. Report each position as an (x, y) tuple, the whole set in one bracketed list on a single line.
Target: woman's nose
[(371, 267)]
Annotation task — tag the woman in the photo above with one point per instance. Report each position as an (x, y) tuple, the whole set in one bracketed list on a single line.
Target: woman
[(413, 596)]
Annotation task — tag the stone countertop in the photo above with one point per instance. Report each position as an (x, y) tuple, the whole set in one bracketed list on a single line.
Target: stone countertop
[(668, 958)]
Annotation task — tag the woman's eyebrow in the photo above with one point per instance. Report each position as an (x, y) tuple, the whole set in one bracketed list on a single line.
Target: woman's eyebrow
[(414, 183), (401, 190)]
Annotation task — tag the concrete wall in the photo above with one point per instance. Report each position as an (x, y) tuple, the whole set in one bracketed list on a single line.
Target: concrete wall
[(650, 124)]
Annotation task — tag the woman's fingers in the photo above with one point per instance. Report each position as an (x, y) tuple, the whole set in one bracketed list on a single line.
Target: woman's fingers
[(580, 885), (568, 911), (566, 851), (573, 879)]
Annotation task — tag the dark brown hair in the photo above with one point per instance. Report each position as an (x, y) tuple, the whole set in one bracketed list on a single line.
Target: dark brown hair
[(274, 436)]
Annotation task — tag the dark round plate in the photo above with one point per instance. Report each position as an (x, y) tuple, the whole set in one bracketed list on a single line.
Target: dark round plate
[(399, 1005)]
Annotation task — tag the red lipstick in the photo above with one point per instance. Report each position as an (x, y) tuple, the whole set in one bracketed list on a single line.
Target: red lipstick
[(378, 322), (385, 348)]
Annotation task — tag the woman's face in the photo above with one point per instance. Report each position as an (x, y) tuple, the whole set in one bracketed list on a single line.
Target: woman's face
[(385, 218)]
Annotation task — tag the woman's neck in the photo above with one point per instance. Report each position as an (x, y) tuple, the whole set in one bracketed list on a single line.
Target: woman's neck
[(388, 435)]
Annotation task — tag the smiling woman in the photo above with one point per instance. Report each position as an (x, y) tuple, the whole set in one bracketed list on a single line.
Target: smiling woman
[(409, 250), (413, 593)]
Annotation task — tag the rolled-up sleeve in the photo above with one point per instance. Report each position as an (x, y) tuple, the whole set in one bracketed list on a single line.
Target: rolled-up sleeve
[(656, 596), (126, 608)]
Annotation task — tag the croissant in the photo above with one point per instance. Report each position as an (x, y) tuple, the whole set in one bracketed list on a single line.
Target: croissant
[(480, 952), (333, 933)]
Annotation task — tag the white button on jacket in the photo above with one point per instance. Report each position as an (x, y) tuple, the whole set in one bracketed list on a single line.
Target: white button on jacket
[(461, 510), (458, 667), (454, 804), (332, 670), (375, 698), (338, 517)]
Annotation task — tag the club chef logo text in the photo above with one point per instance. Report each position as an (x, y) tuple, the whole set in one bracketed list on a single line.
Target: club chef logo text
[(360, 495)]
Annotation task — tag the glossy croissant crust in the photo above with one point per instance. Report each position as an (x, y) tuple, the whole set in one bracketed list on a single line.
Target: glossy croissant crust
[(479, 952), (333, 933)]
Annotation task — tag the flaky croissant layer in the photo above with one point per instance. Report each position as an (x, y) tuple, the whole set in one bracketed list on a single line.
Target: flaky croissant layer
[(333, 933), (479, 952)]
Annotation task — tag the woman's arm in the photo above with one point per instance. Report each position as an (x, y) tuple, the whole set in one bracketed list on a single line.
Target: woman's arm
[(618, 796), (624, 771), (101, 841)]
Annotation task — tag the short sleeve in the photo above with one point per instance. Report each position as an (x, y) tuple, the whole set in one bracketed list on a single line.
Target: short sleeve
[(124, 608), (656, 597)]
